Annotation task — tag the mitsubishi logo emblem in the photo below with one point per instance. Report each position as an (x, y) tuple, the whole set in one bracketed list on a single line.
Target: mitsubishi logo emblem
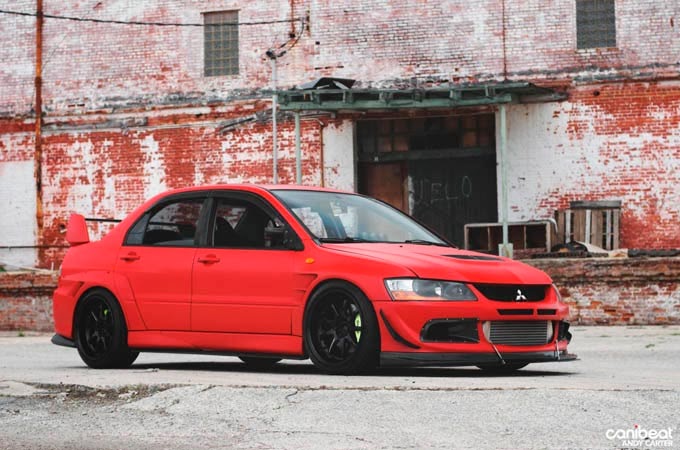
[(520, 297)]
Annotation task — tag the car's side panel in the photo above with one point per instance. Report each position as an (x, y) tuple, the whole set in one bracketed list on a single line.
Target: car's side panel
[(160, 278), (216, 342), (84, 267), (126, 299), (243, 290)]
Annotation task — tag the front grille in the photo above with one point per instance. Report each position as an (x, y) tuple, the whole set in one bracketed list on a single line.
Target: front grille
[(513, 292), (518, 332)]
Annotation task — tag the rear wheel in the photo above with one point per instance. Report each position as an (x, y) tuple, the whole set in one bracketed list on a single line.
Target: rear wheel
[(257, 362), (502, 369), (100, 332), (341, 330)]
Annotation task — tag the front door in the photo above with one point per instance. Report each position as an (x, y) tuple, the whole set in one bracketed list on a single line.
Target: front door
[(242, 282)]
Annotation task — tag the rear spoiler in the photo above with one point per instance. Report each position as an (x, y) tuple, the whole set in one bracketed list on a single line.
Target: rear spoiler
[(76, 230)]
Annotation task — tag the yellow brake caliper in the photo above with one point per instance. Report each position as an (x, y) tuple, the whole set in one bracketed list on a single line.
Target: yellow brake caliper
[(357, 324)]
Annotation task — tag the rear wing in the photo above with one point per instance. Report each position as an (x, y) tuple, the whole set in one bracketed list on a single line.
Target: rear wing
[(76, 230)]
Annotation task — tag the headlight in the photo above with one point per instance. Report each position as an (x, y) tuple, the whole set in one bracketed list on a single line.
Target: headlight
[(428, 290), (557, 294)]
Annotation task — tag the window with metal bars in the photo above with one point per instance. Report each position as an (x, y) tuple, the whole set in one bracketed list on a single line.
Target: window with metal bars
[(595, 24), (220, 43)]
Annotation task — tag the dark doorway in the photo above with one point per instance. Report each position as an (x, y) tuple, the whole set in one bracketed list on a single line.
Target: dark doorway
[(441, 170), (448, 193)]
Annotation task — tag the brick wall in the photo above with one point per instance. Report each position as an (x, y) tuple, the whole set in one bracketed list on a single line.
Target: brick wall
[(632, 291), (613, 141), (628, 291), (26, 301), (396, 42)]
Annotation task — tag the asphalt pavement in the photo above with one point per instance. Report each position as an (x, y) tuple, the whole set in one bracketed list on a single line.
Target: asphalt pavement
[(623, 389)]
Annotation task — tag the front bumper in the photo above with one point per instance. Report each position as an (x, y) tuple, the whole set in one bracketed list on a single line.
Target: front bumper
[(393, 359), (405, 339)]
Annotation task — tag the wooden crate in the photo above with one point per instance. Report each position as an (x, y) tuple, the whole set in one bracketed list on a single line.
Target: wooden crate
[(595, 223), (526, 237)]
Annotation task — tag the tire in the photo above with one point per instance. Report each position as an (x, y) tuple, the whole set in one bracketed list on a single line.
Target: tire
[(341, 332), (505, 369), (257, 362), (101, 333)]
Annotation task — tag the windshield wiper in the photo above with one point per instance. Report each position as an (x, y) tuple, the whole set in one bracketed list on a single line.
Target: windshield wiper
[(424, 242), (347, 239)]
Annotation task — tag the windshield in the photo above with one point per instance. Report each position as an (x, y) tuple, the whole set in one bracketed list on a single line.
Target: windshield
[(338, 217)]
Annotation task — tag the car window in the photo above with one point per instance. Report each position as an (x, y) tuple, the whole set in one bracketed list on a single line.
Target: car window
[(174, 224), (240, 223), (332, 216)]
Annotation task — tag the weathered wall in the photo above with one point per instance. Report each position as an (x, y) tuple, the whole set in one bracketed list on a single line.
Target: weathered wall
[(339, 155), (638, 291), (90, 65), (608, 142), (26, 301)]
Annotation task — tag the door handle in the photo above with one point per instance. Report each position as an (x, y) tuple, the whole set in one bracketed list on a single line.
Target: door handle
[(208, 259), (132, 256)]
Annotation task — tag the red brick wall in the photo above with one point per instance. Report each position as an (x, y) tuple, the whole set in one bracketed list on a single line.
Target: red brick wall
[(611, 141), (26, 301), (98, 66), (631, 291)]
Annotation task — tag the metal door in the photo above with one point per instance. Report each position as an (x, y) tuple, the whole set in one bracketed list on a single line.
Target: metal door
[(448, 193)]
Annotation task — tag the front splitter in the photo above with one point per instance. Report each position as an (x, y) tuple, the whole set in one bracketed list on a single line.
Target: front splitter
[(391, 359)]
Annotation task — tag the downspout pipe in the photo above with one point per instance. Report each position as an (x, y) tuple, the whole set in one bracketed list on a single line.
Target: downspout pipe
[(38, 117), (505, 248), (275, 101), (298, 150)]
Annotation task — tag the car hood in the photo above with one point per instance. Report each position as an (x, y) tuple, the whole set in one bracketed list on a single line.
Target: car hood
[(447, 263)]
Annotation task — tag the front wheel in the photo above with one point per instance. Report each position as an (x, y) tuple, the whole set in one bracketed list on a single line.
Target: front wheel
[(100, 332), (341, 330)]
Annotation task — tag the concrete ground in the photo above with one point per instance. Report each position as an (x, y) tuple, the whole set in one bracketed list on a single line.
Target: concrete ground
[(627, 377)]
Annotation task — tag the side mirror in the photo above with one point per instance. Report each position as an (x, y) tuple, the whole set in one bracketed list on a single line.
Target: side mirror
[(291, 240), (76, 230)]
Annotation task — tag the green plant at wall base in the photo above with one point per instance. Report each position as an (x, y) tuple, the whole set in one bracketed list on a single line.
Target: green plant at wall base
[(21, 334)]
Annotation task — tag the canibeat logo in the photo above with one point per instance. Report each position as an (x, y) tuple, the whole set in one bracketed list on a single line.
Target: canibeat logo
[(637, 437)]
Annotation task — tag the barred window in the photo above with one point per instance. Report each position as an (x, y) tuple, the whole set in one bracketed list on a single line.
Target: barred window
[(595, 24), (221, 43)]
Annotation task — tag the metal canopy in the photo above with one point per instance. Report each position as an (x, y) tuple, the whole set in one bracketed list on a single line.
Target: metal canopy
[(348, 99)]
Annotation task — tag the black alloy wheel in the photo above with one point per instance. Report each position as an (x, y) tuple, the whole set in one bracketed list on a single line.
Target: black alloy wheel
[(341, 330), (100, 332)]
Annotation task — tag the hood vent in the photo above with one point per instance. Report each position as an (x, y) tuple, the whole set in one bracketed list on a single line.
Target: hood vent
[(474, 257)]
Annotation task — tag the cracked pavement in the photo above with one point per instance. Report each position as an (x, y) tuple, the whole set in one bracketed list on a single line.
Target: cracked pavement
[(50, 400)]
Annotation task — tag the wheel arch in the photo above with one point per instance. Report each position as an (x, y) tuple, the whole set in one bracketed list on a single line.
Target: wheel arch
[(85, 292), (341, 281)]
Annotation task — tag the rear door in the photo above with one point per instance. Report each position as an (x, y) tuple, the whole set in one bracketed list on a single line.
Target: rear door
[(157, 258), (243, 281)]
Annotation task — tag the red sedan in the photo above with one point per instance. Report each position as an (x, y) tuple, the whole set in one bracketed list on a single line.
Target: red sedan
[(267, 273)]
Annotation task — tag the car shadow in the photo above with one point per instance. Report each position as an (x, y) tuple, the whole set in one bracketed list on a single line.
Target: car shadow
[(284, 368)]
